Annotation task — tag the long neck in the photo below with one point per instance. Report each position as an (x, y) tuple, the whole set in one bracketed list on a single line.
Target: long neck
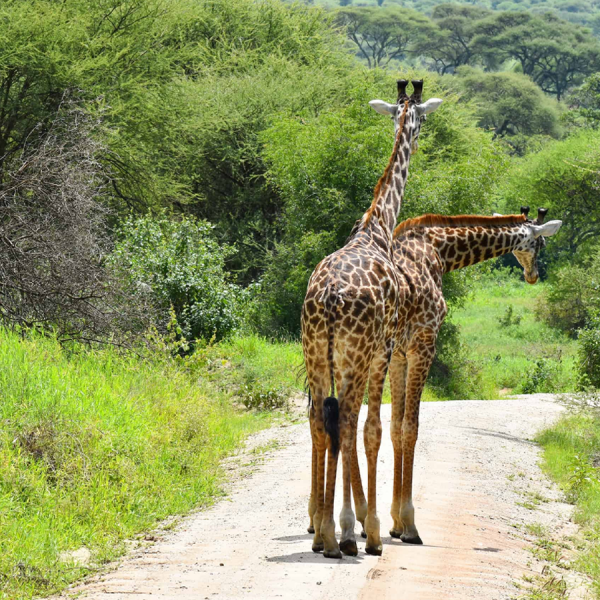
[(379, 221), (459, 247)]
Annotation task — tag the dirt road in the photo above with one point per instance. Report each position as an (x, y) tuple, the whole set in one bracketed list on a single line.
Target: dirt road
[(475, 467)]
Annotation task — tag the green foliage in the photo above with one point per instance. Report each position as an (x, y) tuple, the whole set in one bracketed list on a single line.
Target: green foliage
[(451, 44), (584, 103), (509, 318), (326, 167), (571, 451), (579, 12), (554, 53), (182, 266), (572, 300), (510, 105), (263, 398), (454, 373), (565, 178), (382, 35), (96, 447), (520, 358), (589, 358), (542, 377)]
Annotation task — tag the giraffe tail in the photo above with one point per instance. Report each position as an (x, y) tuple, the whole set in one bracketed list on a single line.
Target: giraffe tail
[(331, 417), (331, 407)]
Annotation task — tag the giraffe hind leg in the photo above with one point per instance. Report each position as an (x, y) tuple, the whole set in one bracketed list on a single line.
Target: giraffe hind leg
[(360, 502)]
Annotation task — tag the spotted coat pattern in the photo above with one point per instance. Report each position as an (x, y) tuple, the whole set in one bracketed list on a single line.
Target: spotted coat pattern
[(424, 249), (349, 320)]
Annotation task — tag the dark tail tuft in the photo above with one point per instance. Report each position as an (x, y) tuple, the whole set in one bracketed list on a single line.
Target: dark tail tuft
[(331, 416)]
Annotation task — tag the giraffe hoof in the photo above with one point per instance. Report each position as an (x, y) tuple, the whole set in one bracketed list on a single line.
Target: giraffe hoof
[(363, 534), (396, 533), (318, 547), (335, 553), (348, 547), (416, 540), (374, 550), (310, 529)]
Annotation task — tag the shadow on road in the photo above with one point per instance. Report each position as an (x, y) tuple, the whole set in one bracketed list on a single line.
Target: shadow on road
[(312, 557), (294, 538), (498, 434)]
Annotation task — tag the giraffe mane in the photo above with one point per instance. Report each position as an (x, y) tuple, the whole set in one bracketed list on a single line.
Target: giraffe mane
[(458, 221), (384, 180)]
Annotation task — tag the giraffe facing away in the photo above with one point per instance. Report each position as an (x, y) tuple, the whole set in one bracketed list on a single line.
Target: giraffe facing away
[(349, 319), (424, 249)]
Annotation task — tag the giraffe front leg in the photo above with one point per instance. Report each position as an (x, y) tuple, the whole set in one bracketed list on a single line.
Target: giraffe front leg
[(419, 359), (397, 376)]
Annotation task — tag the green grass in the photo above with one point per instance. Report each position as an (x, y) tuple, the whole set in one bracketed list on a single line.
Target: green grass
[(96, 447), (515, 352), (571, 457)]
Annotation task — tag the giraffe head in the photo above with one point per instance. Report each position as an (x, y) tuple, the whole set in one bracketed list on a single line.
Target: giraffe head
[(409, 112), (534, 239)]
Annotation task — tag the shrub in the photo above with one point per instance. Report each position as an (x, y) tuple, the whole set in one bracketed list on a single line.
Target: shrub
[(544, 377), (589, 358), (180, 264), (53, 236), (453, 374), (509, 318), (263, 398), (572, 298)]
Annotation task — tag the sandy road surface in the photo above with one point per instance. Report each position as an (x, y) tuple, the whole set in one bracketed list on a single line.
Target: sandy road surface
[(474, 464)]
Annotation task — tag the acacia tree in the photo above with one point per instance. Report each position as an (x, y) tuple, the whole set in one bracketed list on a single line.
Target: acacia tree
[(383, 34), (510, 105), (450, 44), (554, 53), (584, 103)]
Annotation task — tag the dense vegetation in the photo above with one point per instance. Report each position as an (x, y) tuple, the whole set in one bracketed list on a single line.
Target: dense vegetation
[(171, 171), (579, 12)]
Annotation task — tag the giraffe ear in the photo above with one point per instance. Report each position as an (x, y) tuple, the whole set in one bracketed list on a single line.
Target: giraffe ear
[(383, 108), (428, 107), (547, 229)]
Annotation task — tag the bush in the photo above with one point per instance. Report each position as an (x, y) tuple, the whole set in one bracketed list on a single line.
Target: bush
[(544, 377), (589, 358), (573, 298), (180, 265), (326, 166), (54, 239), (453, 374)]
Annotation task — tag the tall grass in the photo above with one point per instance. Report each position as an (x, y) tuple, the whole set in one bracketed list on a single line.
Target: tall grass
[(95, 447)]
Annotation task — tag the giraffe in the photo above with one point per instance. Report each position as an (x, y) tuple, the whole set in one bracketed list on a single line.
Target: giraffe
[(424, 249), (349, 318)]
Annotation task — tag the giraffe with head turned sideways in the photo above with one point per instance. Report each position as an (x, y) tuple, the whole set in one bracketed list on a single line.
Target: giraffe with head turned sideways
[(349, 319), (425, 248)]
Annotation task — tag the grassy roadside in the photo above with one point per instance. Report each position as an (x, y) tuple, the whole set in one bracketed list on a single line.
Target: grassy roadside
[(96, 447), (571, 457), (516, 353)]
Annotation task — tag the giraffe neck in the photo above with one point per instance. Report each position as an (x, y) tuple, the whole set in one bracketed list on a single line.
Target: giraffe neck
[(379, 221), (459, 247)]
